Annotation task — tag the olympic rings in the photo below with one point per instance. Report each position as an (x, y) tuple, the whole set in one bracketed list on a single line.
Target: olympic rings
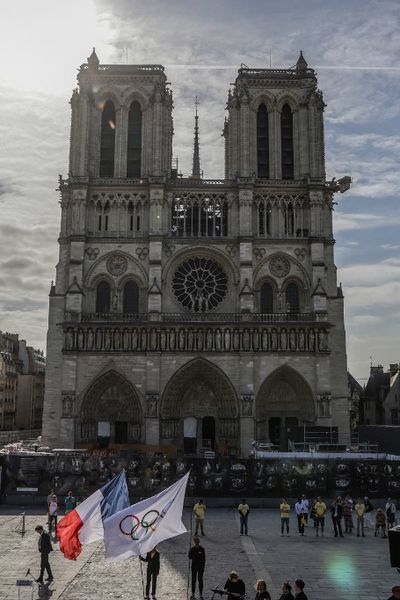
[(146, 525)]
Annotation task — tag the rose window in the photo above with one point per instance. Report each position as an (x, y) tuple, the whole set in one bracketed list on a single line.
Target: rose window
[(200, 284)]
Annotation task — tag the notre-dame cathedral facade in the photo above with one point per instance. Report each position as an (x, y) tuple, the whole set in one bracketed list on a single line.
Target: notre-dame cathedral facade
[(190, 313)]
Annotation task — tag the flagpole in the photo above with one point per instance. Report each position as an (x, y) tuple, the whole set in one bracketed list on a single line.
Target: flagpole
[(190, 540), (141, 575)]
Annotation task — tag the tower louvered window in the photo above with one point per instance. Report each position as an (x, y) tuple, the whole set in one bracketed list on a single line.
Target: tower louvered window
[(107, 140), (287, 142), (134, 158), (262, 142)]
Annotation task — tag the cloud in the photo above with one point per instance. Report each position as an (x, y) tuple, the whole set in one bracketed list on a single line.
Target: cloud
[(356, 221)]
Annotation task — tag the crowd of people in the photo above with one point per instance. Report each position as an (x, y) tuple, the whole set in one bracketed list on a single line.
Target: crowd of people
[(343, 511)]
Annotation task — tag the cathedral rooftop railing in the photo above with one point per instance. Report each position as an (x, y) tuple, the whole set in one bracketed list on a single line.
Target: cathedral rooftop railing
[(293, 73)]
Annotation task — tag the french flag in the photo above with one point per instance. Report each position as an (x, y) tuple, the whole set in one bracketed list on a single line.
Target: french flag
[(84, 524)]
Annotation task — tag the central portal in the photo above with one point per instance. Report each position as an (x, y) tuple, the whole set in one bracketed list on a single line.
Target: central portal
[(199, 409)]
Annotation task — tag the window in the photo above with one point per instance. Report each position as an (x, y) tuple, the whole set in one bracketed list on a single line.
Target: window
[(199, 218), (103, 297), (134, 155), (107, 141), (266, 299), (264, 219), (262, 142), (292, 298), (131, 298), (289, 219), (287, 142)]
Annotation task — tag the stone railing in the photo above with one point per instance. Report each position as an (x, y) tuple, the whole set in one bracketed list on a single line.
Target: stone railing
[(153, 337), (193, 317)]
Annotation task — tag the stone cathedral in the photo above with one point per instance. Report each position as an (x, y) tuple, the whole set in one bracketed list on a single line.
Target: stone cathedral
[(191, 314)]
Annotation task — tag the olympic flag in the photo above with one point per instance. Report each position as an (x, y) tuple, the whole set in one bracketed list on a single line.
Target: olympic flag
[(84, 524), (138, 529)]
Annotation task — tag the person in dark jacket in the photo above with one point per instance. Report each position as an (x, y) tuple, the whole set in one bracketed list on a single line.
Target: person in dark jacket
[(337, 513), (153, 568), (235, 586), (197, 555), (261, 591), (286, 592), (395, 593), (299, 590), (44, 547)]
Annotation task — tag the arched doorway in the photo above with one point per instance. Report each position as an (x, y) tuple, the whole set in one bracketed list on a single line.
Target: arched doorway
[(199, 409), (110, 412), (284, 402)]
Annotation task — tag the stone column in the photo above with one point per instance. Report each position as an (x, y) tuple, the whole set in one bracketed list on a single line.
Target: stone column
[(244, 136), (152, 432), (121, 141), (304, 162), (247, 433)]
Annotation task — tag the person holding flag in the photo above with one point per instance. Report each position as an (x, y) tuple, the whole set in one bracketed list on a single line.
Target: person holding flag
[(84, 524), (153, 569)]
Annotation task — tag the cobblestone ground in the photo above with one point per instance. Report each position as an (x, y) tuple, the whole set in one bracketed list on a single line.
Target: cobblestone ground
[(333, 568)]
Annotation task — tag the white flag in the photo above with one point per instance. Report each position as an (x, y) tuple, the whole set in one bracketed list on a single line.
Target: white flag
[(139, 528)]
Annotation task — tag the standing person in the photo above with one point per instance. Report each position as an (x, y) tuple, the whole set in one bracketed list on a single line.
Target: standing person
[(390, 510), (199, 510), (49, 498), (395, 593), (234, 586), (285, 515), (69, 503), (300, 509), (359, 509), (380, 522), (299, 590), (261, 591), (286, 592), (53, 516), (44, 547), (197, 555), (369, 509), (336, 514), (347, 514), (153, 568), (244, 510), (306, 505), (320, 510)]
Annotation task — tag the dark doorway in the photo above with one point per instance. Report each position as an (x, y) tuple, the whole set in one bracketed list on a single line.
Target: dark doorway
[(208, 432), (121, 432), (274, 430)]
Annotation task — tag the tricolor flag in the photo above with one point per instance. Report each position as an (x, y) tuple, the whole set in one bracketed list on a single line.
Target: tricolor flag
[(139, 528), (84, 524)]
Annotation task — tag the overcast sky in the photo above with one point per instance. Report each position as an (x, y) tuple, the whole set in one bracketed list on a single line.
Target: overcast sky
[(354, 46)]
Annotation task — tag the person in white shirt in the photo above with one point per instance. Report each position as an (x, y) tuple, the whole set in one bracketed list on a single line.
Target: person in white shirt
[(307, 508), (300, 509), (390, 509), (53, 515)]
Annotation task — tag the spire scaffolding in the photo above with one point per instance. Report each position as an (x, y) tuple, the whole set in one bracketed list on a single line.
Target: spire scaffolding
[(196, 147)]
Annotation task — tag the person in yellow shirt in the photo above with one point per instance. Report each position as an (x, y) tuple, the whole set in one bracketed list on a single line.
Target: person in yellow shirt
[(359, 509), (244, 510), (320, 510), (199, 510), (285, 515)]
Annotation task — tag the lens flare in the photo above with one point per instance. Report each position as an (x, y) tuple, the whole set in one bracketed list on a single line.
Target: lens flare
[(341, 571)]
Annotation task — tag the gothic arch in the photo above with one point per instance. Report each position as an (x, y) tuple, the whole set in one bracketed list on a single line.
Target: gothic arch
[(263, 99), (260, 272), (103, 95), (135, 269), (287, 98), (137, 95), (285, 392), (204, 373)]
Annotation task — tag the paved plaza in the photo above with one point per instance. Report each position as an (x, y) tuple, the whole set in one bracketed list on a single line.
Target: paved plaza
[(333, 568)]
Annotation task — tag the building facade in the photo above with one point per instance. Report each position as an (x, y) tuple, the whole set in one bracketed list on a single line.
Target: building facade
[(190, 313), (22, 378)]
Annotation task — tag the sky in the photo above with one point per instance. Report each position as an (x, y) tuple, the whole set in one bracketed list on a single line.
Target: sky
[(354, 46)]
